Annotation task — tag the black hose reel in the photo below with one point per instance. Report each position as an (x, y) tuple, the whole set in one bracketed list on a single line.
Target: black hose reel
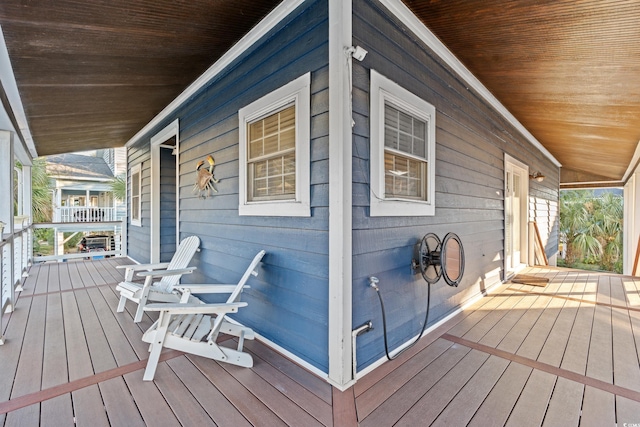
[(440, 259)]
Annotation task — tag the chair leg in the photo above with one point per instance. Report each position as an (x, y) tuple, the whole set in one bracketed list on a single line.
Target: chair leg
[(139, 313), (121, 304), (156, 346)]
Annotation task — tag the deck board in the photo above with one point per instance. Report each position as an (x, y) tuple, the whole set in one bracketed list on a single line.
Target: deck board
[(54, 277), (427, 409), (278, 403), (465, 404), (149, 401), (118, 343), (254, 410), (406, 397), (183, 404), (381, 391), (485, 371), (598, 408), (101, 357), (209, 397), (497, 407), (314, 384), (303, 397), (532, 403), (57, 412), (565, 404), (89, 408)]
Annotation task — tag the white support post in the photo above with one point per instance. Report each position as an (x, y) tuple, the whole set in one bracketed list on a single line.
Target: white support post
[(6, 216), (27, 209), (631, 224), (340, 195)]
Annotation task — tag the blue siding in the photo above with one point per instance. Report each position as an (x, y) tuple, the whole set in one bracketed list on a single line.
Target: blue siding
[(471, 141), (288, 301)]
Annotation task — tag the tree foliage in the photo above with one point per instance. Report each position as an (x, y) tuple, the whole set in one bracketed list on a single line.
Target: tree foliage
[(119, 187), (41, 189), (592, 228)]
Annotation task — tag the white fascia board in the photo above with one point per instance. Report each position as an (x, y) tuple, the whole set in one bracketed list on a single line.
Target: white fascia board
[(403, 13), (256, 33), (11, 89)]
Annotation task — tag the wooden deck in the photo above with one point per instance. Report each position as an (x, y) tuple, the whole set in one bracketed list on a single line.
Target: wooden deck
[(564, 354)]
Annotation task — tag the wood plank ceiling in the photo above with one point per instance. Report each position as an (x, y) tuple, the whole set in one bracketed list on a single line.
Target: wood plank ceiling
[(569, 71), (92, 73)]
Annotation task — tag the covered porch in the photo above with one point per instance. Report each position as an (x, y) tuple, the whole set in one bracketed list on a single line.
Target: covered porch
[(563, 354)]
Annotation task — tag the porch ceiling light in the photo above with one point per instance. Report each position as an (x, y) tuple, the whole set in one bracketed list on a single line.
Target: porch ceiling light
[(537, 176)]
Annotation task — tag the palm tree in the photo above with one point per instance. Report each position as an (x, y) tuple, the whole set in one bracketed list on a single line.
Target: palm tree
[(575, 225), (608, 218), (41, 189), (592, 227), (119, 187)]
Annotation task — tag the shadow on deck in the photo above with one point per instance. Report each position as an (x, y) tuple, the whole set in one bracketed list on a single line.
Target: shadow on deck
[(564, 354)]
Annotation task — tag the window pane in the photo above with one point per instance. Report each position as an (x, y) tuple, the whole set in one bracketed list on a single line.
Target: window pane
[(405, 143), (404, 132), (391, 137), (271, 144), (135, 184), (271, 125), (272, 175), (255, 131), (290, 164), (404, 177), (255, 149), (405, 123), (288, 139), (260, 169), (275, 167), (260, 187), (420, 138), (288, 118)]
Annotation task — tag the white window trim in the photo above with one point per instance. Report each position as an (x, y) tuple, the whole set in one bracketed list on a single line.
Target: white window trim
[(382, 90), (298, 91), (136, 169)]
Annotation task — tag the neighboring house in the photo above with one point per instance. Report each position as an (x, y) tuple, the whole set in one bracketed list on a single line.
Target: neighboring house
[(82, 189), (430, 150)]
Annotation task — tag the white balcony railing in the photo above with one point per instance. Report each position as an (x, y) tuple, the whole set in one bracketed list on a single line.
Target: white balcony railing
[(15, 250), (85, 214), (113, 231)]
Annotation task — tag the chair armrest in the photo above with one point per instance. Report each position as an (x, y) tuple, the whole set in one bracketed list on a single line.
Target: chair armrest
[(138, 267), (163, 273), (178, 308), (208, 288)]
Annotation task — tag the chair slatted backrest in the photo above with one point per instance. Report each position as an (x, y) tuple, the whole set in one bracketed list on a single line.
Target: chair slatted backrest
[(181, 259), (235, 295)]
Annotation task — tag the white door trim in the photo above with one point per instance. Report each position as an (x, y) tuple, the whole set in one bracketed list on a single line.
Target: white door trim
[(511, 162), (168, 132)]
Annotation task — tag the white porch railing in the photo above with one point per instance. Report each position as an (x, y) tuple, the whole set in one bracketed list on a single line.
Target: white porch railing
[(15, 248), (84, 214), (116, 228)]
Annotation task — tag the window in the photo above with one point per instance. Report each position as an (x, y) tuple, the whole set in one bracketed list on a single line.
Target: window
[(136, 191), (274, 152), (402, 151)]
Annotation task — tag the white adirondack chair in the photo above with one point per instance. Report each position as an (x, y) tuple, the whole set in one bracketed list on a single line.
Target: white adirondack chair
[(162, 290), (194, 327)]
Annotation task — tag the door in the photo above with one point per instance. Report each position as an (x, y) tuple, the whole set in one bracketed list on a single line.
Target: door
[(168, 202), (516, 214), (165, 149)]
